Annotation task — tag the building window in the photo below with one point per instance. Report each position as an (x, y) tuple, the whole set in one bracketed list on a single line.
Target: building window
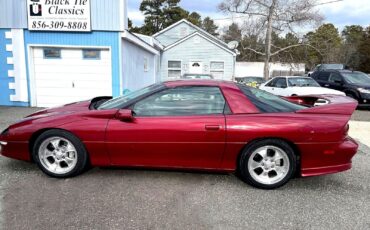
[(146, 67), (174, 69), (52, 53), (217, 69), (91, 53)]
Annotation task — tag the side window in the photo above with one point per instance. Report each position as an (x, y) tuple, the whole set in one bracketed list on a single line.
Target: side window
[(272, 83), (335, 78), (268, 103), (91, 54), (323, 76), (52, 53), (182, 101), (281, 83)]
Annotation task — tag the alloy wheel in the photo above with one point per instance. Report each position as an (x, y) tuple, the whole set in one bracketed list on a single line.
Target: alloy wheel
[(58, 155), (268, 165)]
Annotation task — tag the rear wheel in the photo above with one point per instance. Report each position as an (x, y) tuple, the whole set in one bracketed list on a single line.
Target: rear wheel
[(351, 95), (267, 164), (60, 154)]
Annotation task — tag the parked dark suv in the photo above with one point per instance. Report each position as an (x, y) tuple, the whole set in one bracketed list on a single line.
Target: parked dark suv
[(355, 84)]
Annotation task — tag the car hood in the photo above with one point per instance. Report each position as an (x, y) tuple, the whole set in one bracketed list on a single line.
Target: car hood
[(360, 86), (69, 108), (319, 91), (65, 109)]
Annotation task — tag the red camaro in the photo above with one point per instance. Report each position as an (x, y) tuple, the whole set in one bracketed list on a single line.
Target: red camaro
[(196, 124)]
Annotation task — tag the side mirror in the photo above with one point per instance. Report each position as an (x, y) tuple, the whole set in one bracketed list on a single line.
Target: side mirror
[(125, 115)]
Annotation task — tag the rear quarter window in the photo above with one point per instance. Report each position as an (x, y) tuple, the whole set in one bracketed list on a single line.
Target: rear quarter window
[(267, 102)]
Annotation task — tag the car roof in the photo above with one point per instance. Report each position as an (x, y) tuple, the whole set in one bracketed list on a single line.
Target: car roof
[(291, 77), (197, 82), (340, 71), (203, 74)]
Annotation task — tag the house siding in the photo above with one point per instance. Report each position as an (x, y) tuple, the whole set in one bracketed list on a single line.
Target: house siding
[(134, 75), (105, 14), (174, 34), (199, 49)]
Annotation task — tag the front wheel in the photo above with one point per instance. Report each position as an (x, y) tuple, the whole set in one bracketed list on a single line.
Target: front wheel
[(267, 164), (60, 154)]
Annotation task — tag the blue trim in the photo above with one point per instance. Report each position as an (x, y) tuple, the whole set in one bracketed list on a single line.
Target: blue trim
[(5, 92), (120, 64)]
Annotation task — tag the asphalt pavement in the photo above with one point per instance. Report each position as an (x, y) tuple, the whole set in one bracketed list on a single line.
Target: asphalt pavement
[(105, 198)]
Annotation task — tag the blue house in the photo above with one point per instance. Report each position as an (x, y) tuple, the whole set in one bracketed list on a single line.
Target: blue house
[(49, 62), (48, 58), (188, 49)]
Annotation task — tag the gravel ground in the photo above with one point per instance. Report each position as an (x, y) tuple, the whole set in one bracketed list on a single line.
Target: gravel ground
[(145, 199), (361, 115)]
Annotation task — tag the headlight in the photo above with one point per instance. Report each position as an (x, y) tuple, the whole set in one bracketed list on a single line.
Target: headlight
[(362, 90)]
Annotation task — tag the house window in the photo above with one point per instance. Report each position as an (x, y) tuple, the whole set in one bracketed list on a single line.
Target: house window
[(217, 70), (52, 53), (174, 69), (91, 54), (146, 67)]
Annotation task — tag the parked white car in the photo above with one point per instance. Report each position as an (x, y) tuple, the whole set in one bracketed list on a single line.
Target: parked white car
[(296, 86)]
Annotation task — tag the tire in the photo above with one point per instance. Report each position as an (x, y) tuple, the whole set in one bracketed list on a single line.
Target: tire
[(259, 167), (60, 154), (351, 95)]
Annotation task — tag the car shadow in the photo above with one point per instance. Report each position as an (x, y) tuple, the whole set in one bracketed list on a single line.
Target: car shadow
[(27, 169)]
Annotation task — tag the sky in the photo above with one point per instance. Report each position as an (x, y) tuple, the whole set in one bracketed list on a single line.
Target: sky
[(346, 12)]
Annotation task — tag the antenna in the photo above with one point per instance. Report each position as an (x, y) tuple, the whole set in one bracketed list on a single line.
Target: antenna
[(233, 45)]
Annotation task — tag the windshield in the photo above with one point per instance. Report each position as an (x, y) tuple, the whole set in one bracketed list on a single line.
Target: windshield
[(119, 102), (267, 102), (302, 82), (357, 78), (332, 66)]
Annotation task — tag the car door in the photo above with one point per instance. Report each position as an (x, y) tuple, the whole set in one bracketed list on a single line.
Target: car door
[(323, 79), (336, 81), (269, 86), (176, 127), (280, 88)]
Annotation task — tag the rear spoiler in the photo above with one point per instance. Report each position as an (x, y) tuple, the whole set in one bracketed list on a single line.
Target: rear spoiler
[(336, 104)]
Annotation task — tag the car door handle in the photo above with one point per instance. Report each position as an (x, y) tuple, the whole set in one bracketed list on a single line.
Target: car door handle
[(212, 127), (326, 85)]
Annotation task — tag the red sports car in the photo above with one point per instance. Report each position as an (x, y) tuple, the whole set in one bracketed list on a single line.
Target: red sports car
[(196, 124)]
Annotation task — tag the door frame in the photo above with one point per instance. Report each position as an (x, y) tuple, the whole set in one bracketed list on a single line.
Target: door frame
[(31, 67)]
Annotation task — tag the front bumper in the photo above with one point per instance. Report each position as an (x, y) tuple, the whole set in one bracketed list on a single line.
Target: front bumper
[(365, 98), (16, 150), (2, 145), (328, 158)]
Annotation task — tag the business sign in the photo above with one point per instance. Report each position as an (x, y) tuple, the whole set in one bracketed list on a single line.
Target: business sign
[(59, 15)]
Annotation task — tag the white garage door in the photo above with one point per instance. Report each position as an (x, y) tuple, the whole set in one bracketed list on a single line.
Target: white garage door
[(66, 75)]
